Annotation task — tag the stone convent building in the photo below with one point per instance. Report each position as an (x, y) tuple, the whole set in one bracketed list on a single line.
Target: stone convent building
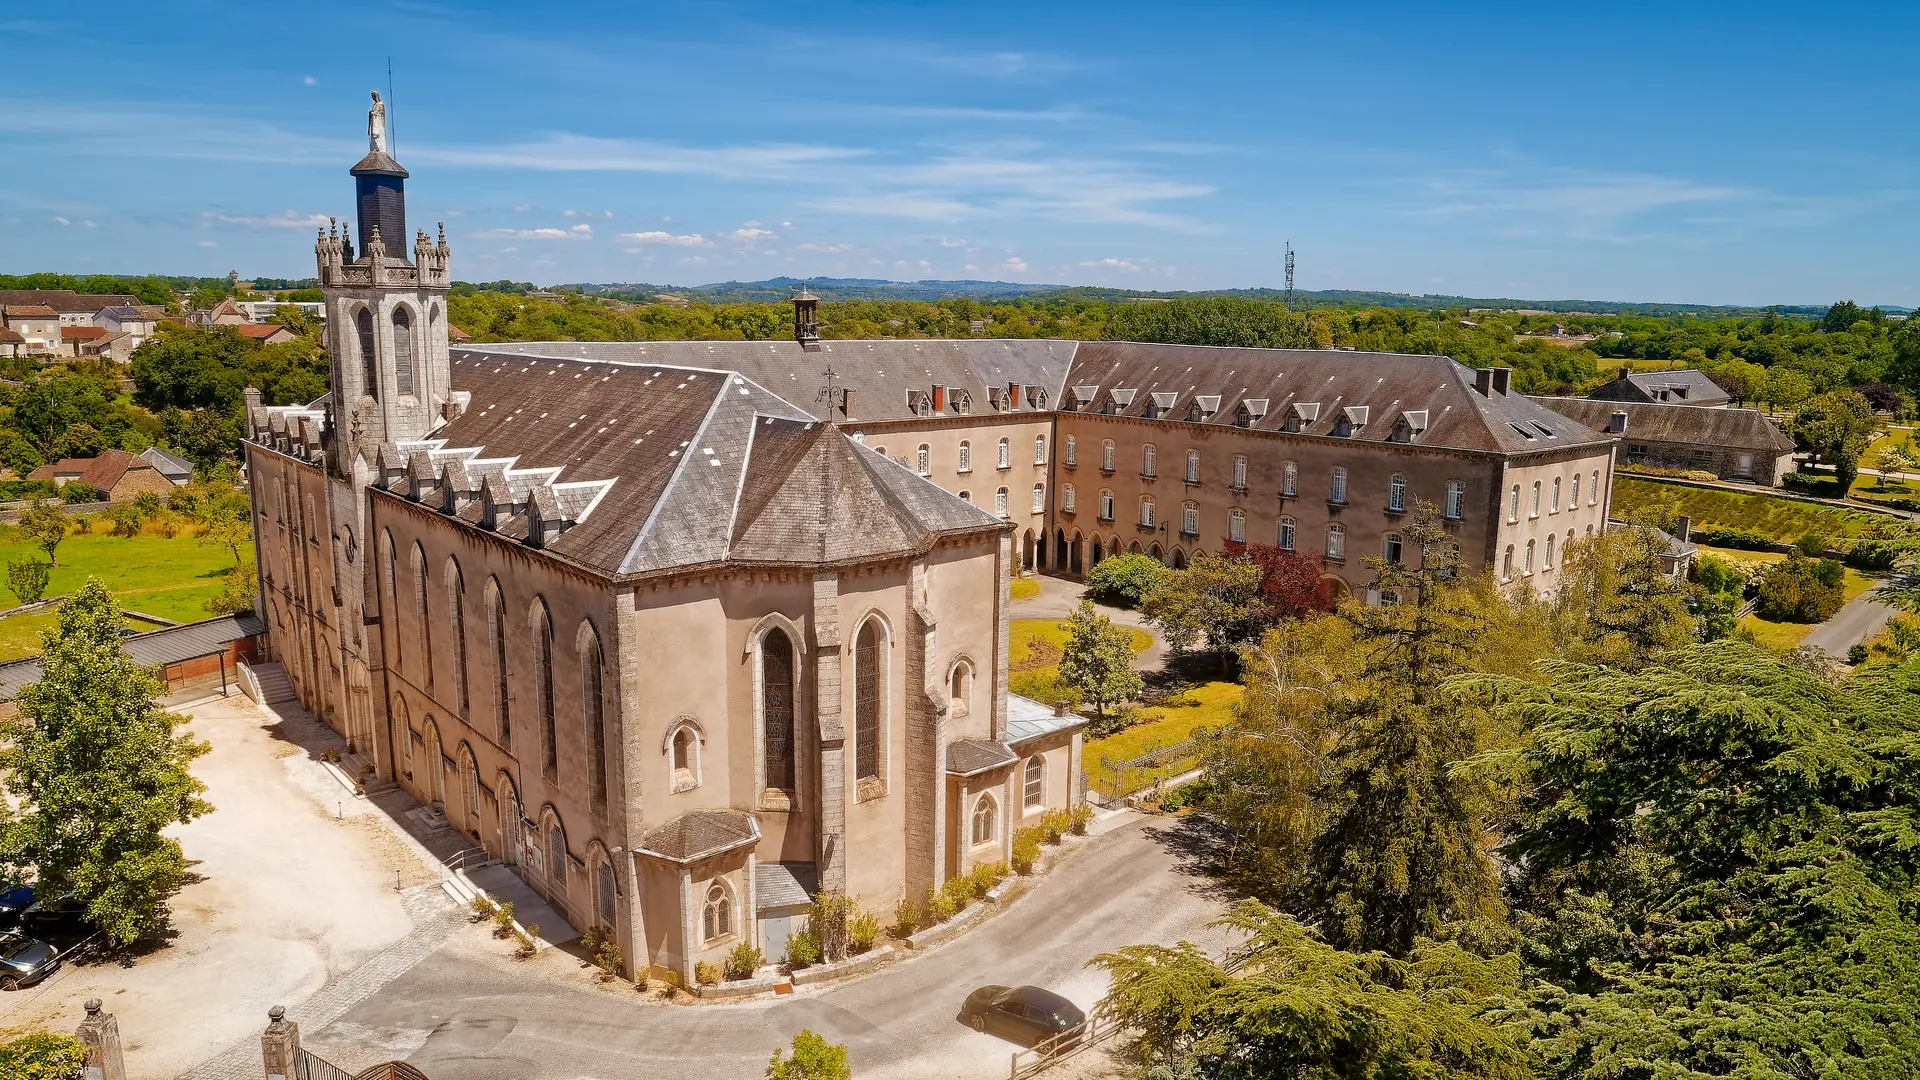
[(686, 632)]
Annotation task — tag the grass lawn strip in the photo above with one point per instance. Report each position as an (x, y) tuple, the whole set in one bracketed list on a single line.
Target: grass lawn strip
[(1215, 705), (171, 578), (1784, 519)]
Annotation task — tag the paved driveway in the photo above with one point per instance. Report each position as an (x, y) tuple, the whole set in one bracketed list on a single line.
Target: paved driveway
[(291, 884), (1862, 618), (467, 1012)]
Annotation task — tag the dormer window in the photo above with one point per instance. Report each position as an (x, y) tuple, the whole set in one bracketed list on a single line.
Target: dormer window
[(1081, 396), (1250, 412), (1203, 407), (961, 399), (1162, 404), (1117, 401), (1412, 422), (1352, 419), (1302, 414), (1037, 397)]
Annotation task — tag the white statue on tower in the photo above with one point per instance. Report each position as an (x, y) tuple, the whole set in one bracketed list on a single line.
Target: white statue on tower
[(377, 125)]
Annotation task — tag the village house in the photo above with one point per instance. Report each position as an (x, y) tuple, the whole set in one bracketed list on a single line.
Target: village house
[(1732, 444), (1680, 386), (121, 475)]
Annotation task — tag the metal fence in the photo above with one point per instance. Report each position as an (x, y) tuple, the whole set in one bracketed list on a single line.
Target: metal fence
[(1124, 778), (311, 1066), (1047, 1053)]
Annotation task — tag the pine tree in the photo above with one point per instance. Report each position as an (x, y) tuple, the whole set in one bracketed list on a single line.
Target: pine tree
[(1616, 604), (96, 772), (1405, 852)]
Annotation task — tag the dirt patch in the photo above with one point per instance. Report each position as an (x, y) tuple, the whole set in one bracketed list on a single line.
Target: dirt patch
[(1041, 653)]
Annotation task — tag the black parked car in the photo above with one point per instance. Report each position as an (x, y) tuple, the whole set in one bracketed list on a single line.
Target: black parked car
[(1024, 1014), (25, 961), (61, 923)]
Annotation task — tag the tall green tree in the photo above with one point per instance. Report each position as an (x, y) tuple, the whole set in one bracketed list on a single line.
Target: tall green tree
[(1836, 427), (96, 771), (1214, 599), (1617, 603), (46, 525), (1404, 852), (1298, 1009), (1097, 659)]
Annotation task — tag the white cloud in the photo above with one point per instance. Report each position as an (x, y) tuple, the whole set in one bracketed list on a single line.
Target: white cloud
[(586, 213), (828, 249), (310, 81), (752, 233), (664, 238), (290, 219), (786, 224), (952, 242), (1014, 265), (207, 244), (60, 221), (1114, 264), (578, 232)]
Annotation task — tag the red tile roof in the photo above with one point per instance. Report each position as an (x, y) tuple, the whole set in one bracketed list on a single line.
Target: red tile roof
[(82, 333), (30, 311), (102, 472), (263, 331)]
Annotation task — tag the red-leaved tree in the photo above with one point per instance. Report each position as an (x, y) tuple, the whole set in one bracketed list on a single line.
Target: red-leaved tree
[(1290, 583)]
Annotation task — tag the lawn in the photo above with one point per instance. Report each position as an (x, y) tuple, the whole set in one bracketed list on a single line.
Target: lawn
[(1742, 555), (1213, 705), (1024, 588), (1033, 656), (171, 578), (1785, 519), (1785, 635)]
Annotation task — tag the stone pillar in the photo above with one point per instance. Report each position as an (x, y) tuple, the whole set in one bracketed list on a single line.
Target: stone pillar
[(1002, 582), (690, 926), (828, 661), (926, 742), (280, 1044), (100, 1033)]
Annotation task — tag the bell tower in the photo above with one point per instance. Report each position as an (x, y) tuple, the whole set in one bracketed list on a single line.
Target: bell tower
[(386, 314)]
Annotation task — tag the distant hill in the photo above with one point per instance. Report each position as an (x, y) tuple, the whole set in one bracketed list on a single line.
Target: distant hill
[(779, 288)]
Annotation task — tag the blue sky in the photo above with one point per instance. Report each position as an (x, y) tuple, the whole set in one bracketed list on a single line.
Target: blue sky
[(1677, 152)]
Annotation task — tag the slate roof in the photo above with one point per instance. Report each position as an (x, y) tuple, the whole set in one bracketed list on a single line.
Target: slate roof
[(170, 465), (1682, 386), (699, 834), (706, 466), (1028, 719), (1745, 429), (156, 647), (784, 885), (880, 373), (971, 757), (1170, 379)]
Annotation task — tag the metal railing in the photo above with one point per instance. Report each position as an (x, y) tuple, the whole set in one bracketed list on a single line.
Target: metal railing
[(1049, 1052), (311, 1066)]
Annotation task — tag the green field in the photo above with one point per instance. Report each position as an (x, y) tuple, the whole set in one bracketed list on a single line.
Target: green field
[(1784, 519), (1033, 656), (1214, 705), (171, 578)]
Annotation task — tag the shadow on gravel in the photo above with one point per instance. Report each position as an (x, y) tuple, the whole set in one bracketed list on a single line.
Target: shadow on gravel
[(1201, 846)]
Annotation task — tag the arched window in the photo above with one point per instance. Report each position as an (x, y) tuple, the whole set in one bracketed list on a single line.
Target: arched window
[(1337, 489), (1529, 569), (777, 708), (1549, 555), (1193, 466), (966, 457), (1239, 472), (1034, 787), (1513, 504), (1554, 507), (1039, 449), (497, 642), (1593, 490), (593, 711), (1575, 501), (960, 689), (543, 689), (402, 351), (986, 824), (1506, 562), (1533, 505), (1190, 520), (1106, 455), (1456, 499), (1396, 492), (1336, 542), (557, 854), (1391, 549), (1000, 502), (1106, 505), (423, 627), (1146, 511), (363, 325), (1286, 534), (866, 702), (1070, 448), (1039, 498), (1237, 525), (683, 753), (1290, 479), (1148, 457), (1066, 499), (457, 629), (606, 893), (923, 460), (716, 919), (1005, 460)]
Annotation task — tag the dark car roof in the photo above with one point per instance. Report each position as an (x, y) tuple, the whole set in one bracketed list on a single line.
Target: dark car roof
[(1045, 999)]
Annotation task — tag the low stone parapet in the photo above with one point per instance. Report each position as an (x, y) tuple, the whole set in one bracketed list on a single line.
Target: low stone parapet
[(852, 965), (738, 988)]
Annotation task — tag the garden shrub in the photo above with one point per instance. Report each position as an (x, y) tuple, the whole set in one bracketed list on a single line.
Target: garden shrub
[(1801, 590), (1812, 545), (827, 921), (958, 892), (1081, 816), (985, 876), (1026, 849), (705, 974), (1055, 824), (1872, 555), (1857, 655), (743, 961), (1191, 793), (1125, 580), (1742, 539), (906, 916), (803, 949), (862, 931), (938, 906)]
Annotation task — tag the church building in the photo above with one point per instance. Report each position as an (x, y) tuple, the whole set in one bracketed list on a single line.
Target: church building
[(689, 632)]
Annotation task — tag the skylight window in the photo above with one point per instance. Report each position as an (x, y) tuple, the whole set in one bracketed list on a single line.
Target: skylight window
[(1524, 433)]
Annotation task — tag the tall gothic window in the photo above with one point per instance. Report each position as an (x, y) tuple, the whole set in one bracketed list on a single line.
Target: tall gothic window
[(363, 325), (594, 711), (1290, 479), (457, 626), (986, 815), (717, 914), (497, 635), (1071, 447), (1147, 461), (776, 707), (866, 703), (1039, 449), (424, 624), (966, 457), (402, 351), (1005, 460), (1193, 466), (543, 669)]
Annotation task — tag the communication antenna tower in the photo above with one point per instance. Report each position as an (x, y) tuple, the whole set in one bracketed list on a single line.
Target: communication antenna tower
[(1289, 275)]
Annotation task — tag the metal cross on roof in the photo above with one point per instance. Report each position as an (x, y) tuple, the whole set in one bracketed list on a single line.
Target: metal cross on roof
[(832, 395)]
